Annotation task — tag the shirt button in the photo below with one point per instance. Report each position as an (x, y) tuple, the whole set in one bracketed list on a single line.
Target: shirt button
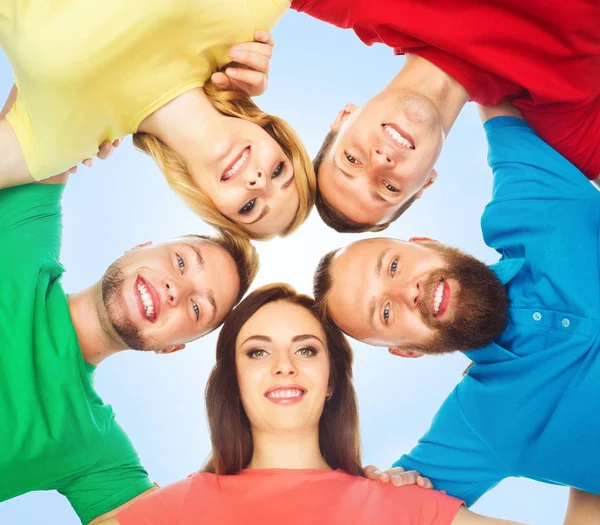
[(537, 316), (566, 322)]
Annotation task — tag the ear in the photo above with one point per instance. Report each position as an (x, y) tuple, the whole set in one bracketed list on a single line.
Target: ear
[(422, 239), (432, 178), (169, 349), (342, 116), (400, 352), (139, 246)]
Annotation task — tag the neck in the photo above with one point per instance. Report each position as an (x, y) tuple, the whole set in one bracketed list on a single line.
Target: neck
[(97, 339), (287, 450), (185, 123), (445, 93)]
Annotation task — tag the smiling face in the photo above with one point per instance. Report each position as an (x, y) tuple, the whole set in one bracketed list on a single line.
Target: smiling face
[(415, 297), (283, 368), (382, 156), (158, 297), (249, 178)]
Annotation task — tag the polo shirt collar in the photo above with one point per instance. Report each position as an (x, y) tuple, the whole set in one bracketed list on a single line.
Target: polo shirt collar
[(505, 270)]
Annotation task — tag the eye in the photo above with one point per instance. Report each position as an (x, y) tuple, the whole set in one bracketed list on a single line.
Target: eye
[(247, 208), (256, 353), (196, 310), (307, 351), (394, 267), (180, 262), (391, 188), (386, 313), (278, 170), (351, 159)]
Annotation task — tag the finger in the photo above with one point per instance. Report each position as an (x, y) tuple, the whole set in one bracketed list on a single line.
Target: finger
[(87, 162), (264, 50), (264, 37), (221, 81), (251, 82), (250, 59), (116, 143), (372, 472), (404, 478), (424, 482), (72, 170), (105, 150)]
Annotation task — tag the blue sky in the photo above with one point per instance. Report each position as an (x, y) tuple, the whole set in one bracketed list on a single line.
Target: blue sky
[(124, 201)]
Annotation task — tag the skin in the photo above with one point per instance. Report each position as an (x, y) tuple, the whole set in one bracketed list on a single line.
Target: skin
[(368, 176), (397, 289), (194, 298)]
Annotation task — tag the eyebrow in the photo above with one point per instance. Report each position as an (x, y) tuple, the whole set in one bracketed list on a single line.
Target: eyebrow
[(375, 196), (372, 313), (295, 339), (288, 183), (199, 257), (264, 211), (380, 262)]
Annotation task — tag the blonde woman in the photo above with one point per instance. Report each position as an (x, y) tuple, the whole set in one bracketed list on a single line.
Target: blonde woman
[(86, 76)]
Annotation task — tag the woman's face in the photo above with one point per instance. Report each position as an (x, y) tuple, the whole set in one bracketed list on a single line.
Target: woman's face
[(249, 178), (283, 368)]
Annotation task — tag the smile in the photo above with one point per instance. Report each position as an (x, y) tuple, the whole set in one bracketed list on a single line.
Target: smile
[(398, 137), (285, 395), (441, 298), (236, 167), (148, 299)]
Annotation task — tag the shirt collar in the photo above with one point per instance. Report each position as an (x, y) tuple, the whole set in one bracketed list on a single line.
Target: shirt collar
[(505, 270)]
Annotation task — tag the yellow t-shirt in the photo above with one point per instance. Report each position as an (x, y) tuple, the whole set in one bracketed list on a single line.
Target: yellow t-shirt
[(87, 72)]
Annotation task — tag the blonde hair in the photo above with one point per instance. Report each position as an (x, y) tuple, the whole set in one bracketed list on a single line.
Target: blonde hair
[(235, 104)]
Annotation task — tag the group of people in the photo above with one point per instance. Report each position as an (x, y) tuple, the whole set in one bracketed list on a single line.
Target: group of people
[(282, 410)]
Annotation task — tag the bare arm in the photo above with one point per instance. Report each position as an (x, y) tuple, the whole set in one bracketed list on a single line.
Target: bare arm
[(583, 508), (506, 109), (12, 96), (466, 517)]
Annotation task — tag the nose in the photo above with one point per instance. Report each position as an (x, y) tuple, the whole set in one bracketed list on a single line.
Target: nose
[(255, 179), (410, 293), (380, 158), (283, 366), (172, 291)]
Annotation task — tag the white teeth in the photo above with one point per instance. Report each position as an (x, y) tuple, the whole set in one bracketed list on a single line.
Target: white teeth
[(284, 394), (397, 137), (238, 164), (437, 297), (146, 300)]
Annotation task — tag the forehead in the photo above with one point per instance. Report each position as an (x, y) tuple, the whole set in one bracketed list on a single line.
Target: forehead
[(281, 321)]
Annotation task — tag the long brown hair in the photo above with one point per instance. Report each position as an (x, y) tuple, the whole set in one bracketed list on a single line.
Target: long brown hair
[(235, 104), (230, 432)]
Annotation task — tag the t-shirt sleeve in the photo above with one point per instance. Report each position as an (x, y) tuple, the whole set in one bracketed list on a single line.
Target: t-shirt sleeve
[(454, 457), (161, 507), (418, 506), (35, 211), (525, 167), (117, 478)]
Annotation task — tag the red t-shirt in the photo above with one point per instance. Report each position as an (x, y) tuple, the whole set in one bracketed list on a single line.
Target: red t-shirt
[(293, 497), (543, 55)]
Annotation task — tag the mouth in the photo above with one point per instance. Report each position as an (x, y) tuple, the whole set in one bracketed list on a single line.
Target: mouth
[(397, 136), (285, 394), (441, 299), (148, 299), (237, 165)]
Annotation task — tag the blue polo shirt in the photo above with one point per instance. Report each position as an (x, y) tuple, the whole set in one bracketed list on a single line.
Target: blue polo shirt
[(530, 404)]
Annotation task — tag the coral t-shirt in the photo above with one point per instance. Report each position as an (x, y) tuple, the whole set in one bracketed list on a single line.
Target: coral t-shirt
[(542, 55), (293, 497)]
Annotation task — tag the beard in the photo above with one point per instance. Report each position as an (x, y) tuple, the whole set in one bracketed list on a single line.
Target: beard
[(112, 285), (481, 306)]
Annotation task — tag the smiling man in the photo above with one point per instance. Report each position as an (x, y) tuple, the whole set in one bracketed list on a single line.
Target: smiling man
[(529, 323), (543, 56), (55, 430)]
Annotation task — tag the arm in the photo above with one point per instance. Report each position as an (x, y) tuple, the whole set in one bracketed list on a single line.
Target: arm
[(583, 508), (12, 96), (505, 109), (466, 517)]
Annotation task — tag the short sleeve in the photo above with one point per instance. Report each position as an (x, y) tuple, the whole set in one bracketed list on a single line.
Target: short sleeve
[(117, 478), (454, 457), (419, 506), (525, 167), (34, 211), (161, 507)]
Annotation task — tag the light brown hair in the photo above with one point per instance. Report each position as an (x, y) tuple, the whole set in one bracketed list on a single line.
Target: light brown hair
[(230, 430), (234, 104), (336, 219)]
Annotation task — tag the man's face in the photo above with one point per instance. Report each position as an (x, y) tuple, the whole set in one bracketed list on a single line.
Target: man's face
[(415, 298), (383, 154), (160, 297)]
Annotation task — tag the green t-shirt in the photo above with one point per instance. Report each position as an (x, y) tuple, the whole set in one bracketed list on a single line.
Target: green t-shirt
[(55, 431)]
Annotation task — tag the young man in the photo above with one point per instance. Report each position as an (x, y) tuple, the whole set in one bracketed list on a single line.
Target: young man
[(528, 404), (542, 56), (56, 432)]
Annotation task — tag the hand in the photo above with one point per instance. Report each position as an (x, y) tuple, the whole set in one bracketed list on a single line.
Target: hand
[(398, 477), (104, 151), (249, 69)]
